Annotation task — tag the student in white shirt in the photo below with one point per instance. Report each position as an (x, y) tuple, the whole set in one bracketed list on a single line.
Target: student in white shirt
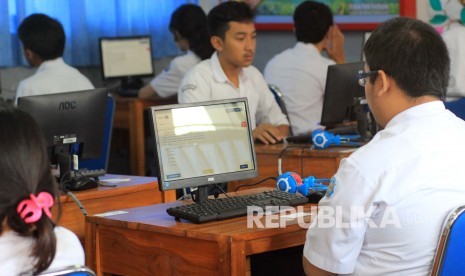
[(189, 27), (43, 40), (229, 73), (30, 241), (300, 72), (390, 197), (454, 37)]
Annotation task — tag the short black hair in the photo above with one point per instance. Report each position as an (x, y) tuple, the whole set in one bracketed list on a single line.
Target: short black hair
[(42, 35), (312, 21), (413, 54), (190, 21), (219, 17)]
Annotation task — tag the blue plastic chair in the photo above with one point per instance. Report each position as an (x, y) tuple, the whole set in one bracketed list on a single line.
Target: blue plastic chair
[(457, 107), (278, 96), (450, 255), (75, 270)]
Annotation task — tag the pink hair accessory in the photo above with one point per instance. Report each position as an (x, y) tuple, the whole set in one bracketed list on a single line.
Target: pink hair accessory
[(30, 210)]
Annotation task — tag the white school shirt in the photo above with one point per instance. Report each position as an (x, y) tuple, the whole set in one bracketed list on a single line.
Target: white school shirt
[(53, 76), (411, 175), (167, 82), (300, 74), (207, 81), (15, 252), (454, 38)]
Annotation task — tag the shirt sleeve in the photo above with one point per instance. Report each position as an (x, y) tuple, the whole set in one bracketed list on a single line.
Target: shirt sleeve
[(168, 81), (194, 87), (335, 237)]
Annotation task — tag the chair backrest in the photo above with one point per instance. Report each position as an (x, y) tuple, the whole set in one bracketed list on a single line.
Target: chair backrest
[(102, 162), (278, 96), (457, 107), (450, 255), (74, 270)]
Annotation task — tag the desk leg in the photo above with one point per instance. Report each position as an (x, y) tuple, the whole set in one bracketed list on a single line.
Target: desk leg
[(90, 245), (136, 138), (238, 259)]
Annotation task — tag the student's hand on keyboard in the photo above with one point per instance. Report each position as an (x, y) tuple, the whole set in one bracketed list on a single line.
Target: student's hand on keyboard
[(267, 134)]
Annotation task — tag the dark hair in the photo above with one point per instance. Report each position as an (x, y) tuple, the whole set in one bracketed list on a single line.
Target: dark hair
[(412, 53), (25, 170), (312, 21), (42, 35), (190, 21), (219, 17)]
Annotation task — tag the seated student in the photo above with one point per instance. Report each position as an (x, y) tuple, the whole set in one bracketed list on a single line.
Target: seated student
[(30, 241), (454, 37), (43, 40), (300, 72), (189, 27), (229, 73), (387, 202)]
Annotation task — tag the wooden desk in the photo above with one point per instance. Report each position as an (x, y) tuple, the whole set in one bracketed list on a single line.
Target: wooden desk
[(298, 158), (139, 191), (129, 115), (147, 241)]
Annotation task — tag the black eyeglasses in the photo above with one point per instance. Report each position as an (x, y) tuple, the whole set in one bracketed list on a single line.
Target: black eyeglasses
[(361, 76)]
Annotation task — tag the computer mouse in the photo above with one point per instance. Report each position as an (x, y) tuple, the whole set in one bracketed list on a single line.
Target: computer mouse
[(82, 183), (314, 197)]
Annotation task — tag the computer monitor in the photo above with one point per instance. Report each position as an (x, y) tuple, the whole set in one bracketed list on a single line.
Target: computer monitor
[(341, 92), (126, 58), (203, 143), (73, 125)]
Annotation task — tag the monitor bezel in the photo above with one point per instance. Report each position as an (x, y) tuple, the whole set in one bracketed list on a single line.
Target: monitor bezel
[(202, 180), (334, 93), (118, 38)]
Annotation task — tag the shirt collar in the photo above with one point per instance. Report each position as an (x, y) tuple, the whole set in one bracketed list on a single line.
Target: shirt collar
[(307, 47), (417, 111), (51, 63), (218, 73)]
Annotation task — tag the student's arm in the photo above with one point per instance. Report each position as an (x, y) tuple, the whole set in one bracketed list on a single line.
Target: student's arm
[(311, 270), (270, 134), (148, 93), (336, 48)]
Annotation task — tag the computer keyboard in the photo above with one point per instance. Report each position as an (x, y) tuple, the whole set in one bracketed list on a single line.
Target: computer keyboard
[(88, 173), (234, 206)]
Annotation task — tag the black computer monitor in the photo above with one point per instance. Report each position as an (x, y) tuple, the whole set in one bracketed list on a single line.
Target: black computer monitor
[(73, 123), (342, 94), (202, 143), (126, 58)]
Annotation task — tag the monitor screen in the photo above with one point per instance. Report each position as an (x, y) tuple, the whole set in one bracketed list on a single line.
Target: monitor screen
[(203, 143), (70, 120), (340, 92), (126, 57)]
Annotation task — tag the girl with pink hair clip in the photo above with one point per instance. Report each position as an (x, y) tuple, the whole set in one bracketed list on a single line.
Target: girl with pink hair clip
[(30, 240)]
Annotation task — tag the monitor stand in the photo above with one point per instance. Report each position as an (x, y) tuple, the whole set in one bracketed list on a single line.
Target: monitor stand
[(72, 183), (200, 195), (366, 125), (131, 83), (130, 87)]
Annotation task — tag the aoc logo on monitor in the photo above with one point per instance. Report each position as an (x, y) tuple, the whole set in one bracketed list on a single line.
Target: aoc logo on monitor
[(69, 105)]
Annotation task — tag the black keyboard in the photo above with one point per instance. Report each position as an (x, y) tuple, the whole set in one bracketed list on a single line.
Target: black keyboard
[(88, 173), (234, 206)]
